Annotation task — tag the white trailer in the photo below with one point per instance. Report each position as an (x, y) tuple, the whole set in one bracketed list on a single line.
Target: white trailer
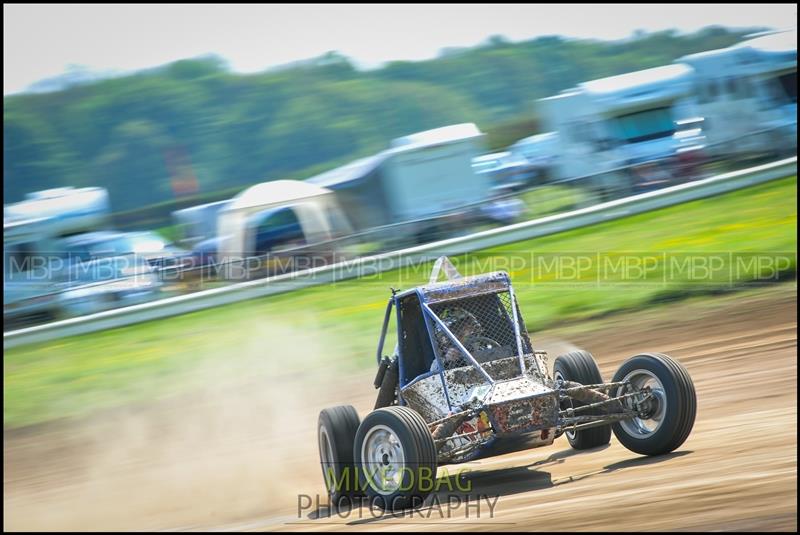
[(747, 94), (422, 176), (612, 122)]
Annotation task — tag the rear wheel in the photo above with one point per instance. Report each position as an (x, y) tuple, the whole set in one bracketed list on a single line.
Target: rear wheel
[(395, 458), (336, 432), (667, 417), (580, 367)]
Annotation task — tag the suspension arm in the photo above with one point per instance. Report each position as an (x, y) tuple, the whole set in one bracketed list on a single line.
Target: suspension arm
[(568, 412)]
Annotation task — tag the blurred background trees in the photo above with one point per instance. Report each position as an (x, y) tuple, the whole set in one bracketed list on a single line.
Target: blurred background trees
[(192, 130)]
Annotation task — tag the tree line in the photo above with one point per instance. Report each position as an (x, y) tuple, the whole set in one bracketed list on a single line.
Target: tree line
[(193, 129)]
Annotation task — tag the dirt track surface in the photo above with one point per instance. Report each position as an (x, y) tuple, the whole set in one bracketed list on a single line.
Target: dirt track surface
[(237, 458)]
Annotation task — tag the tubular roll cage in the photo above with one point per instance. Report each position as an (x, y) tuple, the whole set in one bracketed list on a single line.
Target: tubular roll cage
[(456, 287)]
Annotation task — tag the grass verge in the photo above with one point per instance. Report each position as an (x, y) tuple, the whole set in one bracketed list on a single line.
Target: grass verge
[(707, 246)]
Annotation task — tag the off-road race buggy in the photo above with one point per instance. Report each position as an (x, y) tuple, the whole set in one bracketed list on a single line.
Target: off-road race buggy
[(465, 382)]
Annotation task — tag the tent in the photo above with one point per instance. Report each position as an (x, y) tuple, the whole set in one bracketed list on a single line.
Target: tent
[(316, 209)]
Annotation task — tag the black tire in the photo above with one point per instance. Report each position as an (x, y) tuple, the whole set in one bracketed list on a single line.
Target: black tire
[(580, 367), (336, 433), (681, 406), (418, 469)]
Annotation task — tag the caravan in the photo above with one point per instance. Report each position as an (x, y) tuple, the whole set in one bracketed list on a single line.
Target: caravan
[(622, 120), (733, 102), (748, 95)]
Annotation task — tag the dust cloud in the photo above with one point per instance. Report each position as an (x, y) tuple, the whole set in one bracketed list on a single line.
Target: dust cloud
[(244, 444)]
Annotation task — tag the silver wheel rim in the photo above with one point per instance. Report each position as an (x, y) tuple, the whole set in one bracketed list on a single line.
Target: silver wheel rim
[(383, 460), (570, 434), (326, 458), (644, 427)]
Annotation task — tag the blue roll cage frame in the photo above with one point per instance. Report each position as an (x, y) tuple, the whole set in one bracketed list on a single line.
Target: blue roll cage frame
[(431, 319)]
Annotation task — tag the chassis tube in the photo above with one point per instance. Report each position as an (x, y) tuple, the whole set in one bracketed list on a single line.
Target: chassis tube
[(429, 328), (385, 327), (517, 334), (592, 403), (430, 313), (601, 386), (588, 423)]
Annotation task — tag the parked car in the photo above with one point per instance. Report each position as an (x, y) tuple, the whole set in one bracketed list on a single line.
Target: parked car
[(541, 153), (505, 169), (106, 283), (206, 252), (156, 250)]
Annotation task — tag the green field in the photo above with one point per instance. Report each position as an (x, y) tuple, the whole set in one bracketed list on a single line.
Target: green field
[(745, 235)]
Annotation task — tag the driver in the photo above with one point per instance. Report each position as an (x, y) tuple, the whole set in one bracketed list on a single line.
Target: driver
[(463, 325)]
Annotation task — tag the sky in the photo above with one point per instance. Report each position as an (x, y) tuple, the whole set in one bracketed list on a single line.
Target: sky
[(41, 41)]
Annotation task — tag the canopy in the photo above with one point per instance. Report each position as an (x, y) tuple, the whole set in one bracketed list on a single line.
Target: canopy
[(316, 209)]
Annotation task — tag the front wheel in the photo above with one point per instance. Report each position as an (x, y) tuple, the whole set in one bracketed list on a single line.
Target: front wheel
[(667, 416), (395, 458)]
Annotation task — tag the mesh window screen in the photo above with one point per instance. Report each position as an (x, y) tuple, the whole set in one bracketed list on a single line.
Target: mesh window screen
[(483, 324)]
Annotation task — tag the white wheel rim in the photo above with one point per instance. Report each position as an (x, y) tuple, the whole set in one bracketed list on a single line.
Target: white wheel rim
[(644, 427), (326, 458), (383, 460)]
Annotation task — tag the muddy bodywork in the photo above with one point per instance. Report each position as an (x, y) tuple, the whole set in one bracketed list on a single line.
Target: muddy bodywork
[(466, 364)]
